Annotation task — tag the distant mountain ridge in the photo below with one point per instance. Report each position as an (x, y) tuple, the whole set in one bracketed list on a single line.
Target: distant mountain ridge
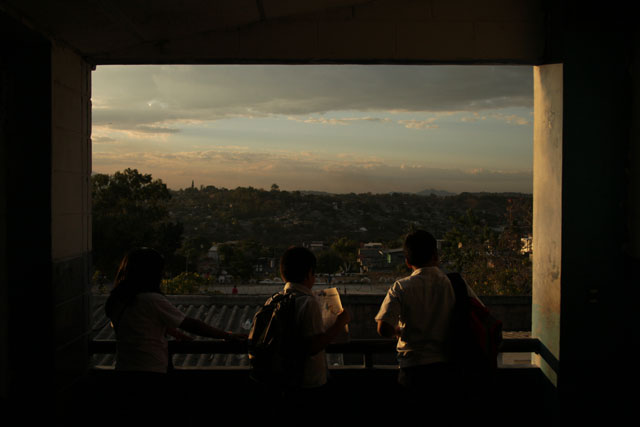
[(429, 192), (426, 192), (433, 191)]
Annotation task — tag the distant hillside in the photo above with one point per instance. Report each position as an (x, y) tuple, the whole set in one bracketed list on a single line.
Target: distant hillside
[(282, 217)]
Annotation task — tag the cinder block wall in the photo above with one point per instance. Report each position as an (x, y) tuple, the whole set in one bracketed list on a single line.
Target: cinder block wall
[(70, 210)]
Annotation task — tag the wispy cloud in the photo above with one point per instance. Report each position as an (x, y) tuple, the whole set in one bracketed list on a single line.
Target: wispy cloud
[(512, 119), (99, 139), (339, 121), (419, 124), (332, 121)]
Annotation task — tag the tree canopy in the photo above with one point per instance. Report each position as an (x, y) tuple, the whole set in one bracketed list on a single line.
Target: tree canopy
[(492, 260), (482, 233), (130, 210)]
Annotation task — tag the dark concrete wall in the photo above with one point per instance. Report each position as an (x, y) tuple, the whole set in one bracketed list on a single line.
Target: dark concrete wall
[(25, 215), (595, 294), (354, 399)]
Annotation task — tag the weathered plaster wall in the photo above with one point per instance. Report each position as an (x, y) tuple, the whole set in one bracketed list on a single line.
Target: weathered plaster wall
[(547, 208)]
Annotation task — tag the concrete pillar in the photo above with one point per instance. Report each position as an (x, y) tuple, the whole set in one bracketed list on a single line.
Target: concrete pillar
[(547, 210)]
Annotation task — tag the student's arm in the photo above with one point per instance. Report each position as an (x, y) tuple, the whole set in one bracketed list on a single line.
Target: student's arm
[(389, 314), (178, 335), (319, 342), (198, 327)]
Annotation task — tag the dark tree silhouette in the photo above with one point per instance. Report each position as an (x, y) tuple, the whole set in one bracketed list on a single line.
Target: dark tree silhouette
[(129, 210)]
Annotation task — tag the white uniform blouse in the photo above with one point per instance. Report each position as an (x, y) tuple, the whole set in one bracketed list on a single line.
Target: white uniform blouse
[(141, 333)]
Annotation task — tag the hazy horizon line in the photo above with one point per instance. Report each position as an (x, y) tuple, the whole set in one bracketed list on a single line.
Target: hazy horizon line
[(426, 191)]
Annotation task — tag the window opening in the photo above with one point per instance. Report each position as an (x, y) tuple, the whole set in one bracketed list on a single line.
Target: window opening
[(222, 167)]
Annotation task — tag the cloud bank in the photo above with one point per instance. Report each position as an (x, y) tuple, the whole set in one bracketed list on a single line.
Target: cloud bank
[(231, 167), (233, 125), (127, 98)]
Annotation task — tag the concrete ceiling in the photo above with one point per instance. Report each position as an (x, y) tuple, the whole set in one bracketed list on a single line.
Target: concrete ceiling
[(213, 31)]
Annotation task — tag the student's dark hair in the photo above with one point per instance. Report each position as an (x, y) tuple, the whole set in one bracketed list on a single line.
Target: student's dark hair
[(140, 271), (420, 247), (295, 264)]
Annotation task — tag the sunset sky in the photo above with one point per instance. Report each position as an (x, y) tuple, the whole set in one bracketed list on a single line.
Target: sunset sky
[(336, 128)]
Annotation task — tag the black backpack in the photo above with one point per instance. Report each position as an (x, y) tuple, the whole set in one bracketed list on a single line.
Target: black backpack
[(476, 334), (274, 345)]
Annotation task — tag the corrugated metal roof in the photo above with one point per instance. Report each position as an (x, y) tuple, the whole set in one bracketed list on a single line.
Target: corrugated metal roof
[(233, 313)]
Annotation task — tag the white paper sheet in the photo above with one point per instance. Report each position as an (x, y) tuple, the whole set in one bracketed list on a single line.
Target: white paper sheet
[(331, 306)]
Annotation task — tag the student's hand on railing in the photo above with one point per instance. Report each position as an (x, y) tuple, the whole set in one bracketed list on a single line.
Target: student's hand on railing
[(235, 337), (344, 317), (179, 336), (398, 331)]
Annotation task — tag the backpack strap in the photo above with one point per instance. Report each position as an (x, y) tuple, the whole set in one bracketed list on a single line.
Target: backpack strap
[(459, 289), (115, 320), (281, 295), (459, 318)]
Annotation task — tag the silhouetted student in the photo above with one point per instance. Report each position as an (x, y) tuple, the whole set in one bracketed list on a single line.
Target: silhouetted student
[(297, 268), (142, 318), (417, 311)]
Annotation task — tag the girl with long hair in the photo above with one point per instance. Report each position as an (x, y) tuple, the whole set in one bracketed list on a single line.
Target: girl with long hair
[(142, 317)]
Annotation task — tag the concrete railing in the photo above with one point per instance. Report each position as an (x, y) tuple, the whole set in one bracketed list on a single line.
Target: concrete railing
[(367, 347)]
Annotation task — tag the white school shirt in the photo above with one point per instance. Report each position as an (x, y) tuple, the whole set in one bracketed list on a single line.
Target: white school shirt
[(309, 322), (422, 305), (141, 333)]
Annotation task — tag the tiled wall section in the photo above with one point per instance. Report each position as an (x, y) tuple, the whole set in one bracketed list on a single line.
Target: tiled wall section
[(70, 210)]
